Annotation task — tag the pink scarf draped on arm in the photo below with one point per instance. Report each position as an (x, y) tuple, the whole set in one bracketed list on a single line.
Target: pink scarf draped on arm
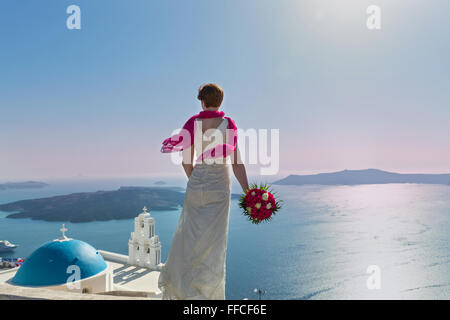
[(185, 138)]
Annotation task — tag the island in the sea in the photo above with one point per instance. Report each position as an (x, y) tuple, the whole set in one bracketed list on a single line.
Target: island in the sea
[(22, 185), (97, 206), (368, 176)]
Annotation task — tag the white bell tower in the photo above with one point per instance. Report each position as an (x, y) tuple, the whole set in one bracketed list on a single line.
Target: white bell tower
[(144, 248), (155, 251)]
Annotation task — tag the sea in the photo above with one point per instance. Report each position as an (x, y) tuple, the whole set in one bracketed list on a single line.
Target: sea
[(387, 241)]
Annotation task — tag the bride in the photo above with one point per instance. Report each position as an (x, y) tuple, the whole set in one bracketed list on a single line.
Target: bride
[(195, 267)]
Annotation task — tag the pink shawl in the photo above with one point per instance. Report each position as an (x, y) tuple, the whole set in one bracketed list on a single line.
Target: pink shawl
[(185, 138)]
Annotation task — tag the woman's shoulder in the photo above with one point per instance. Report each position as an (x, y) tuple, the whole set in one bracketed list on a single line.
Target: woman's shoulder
[(231, 123)]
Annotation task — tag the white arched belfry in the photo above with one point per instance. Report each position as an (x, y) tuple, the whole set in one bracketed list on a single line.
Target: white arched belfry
[(144, 248)]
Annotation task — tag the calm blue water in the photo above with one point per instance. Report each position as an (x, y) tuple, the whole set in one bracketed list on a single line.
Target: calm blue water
[(318, 247)]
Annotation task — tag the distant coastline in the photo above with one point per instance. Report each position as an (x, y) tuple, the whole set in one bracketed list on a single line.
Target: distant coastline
[(368, 176), (98, 206), (22, 185)]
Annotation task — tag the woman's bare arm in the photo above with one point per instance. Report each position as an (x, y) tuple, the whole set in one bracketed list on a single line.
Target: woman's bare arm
[(188, 159), (239, 170)]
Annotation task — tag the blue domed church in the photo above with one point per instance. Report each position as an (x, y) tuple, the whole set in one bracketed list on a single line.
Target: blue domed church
[(74, 266), (65, 263)]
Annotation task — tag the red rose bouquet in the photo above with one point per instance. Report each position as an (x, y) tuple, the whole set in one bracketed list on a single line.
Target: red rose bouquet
[(259, 203)]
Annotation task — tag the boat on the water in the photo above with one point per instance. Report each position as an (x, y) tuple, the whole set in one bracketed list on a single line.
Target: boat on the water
[(5, 246)]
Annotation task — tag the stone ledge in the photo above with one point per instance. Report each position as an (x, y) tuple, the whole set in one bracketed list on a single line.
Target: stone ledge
[(10, 292)]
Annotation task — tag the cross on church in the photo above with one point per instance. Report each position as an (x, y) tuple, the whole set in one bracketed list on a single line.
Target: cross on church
[(145, 209), (63, 230)]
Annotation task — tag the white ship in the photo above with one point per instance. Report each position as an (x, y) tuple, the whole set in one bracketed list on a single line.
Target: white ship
[(5, 246)]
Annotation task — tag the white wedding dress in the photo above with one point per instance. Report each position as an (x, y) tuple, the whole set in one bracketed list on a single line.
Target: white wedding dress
[(195, 267)]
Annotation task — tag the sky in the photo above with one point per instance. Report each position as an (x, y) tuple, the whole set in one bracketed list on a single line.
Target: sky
[(98, 102)]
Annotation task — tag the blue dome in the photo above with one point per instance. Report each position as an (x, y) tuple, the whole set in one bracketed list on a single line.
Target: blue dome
[(47, 266)]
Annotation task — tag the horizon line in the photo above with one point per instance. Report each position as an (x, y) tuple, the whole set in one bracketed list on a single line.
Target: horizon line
[(179, 175)]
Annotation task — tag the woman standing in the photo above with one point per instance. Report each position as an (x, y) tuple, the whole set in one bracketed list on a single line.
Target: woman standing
[(196, 265)]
